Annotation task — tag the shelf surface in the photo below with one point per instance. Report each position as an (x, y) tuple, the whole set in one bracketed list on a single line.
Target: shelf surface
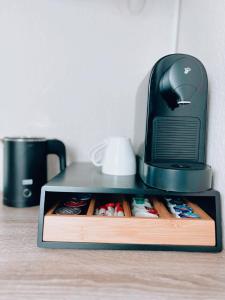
[(84, 177)]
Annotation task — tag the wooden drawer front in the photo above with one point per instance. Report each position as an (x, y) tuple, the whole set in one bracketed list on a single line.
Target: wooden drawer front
[(166, 230)]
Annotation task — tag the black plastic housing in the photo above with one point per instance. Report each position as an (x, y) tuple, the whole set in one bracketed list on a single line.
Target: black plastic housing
[(171, 125), (172, 132), (25, 168)]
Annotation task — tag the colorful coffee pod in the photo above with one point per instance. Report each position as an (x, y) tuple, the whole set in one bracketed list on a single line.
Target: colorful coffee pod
[(141, 207), (96, 212), (75, 203), (153, 211), (120, 213), (143, 213), (180, 209), (177, 211), (175, 201), (83, 197), (110, 209), (189, 215), (67, 211), (141, 202), (183, 207), (118, 210), (183, 210), (102, 211)]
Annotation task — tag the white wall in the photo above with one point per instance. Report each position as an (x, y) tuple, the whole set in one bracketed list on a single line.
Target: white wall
[(202, 34), (70, 68)]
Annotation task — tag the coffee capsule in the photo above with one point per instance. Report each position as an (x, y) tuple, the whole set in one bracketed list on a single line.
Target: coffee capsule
[(143, 213), (176, 202), (102, 211), (110, 210), (84, 197), (183, 209), (189, 215), (141, 202), (67, 211), (75, 203), (118, 210)]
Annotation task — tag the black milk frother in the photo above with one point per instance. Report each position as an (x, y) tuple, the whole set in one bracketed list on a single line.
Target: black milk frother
[(25, 168)]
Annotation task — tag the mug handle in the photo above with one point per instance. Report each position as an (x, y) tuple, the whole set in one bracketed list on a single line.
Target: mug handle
[(57, 147), (95, 151)]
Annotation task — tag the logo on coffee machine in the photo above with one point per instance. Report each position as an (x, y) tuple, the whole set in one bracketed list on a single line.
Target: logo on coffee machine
[(187, 70)]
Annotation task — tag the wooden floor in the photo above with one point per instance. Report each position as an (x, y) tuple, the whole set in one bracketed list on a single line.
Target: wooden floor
[(27, 272)]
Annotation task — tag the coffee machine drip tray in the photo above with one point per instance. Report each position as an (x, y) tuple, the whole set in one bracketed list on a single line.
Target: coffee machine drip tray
[(176, 177)]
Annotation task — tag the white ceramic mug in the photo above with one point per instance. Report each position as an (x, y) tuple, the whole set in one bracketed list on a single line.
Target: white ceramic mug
[(115, 155)]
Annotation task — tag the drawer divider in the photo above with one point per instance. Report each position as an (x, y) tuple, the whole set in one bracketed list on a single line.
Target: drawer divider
[(162, 210), (91, 208), (126, 208), (203, 215)]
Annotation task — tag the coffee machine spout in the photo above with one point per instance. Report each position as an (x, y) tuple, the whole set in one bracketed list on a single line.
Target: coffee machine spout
[(180, 82)]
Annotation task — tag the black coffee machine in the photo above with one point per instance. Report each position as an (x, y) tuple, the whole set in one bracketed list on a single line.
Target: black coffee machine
[(171, 125)]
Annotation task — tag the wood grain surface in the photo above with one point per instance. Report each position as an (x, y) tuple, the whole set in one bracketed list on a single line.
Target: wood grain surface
[(27, 272), (130, 230)]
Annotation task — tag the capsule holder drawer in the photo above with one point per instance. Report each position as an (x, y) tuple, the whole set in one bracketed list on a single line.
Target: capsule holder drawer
[(102, 232)]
